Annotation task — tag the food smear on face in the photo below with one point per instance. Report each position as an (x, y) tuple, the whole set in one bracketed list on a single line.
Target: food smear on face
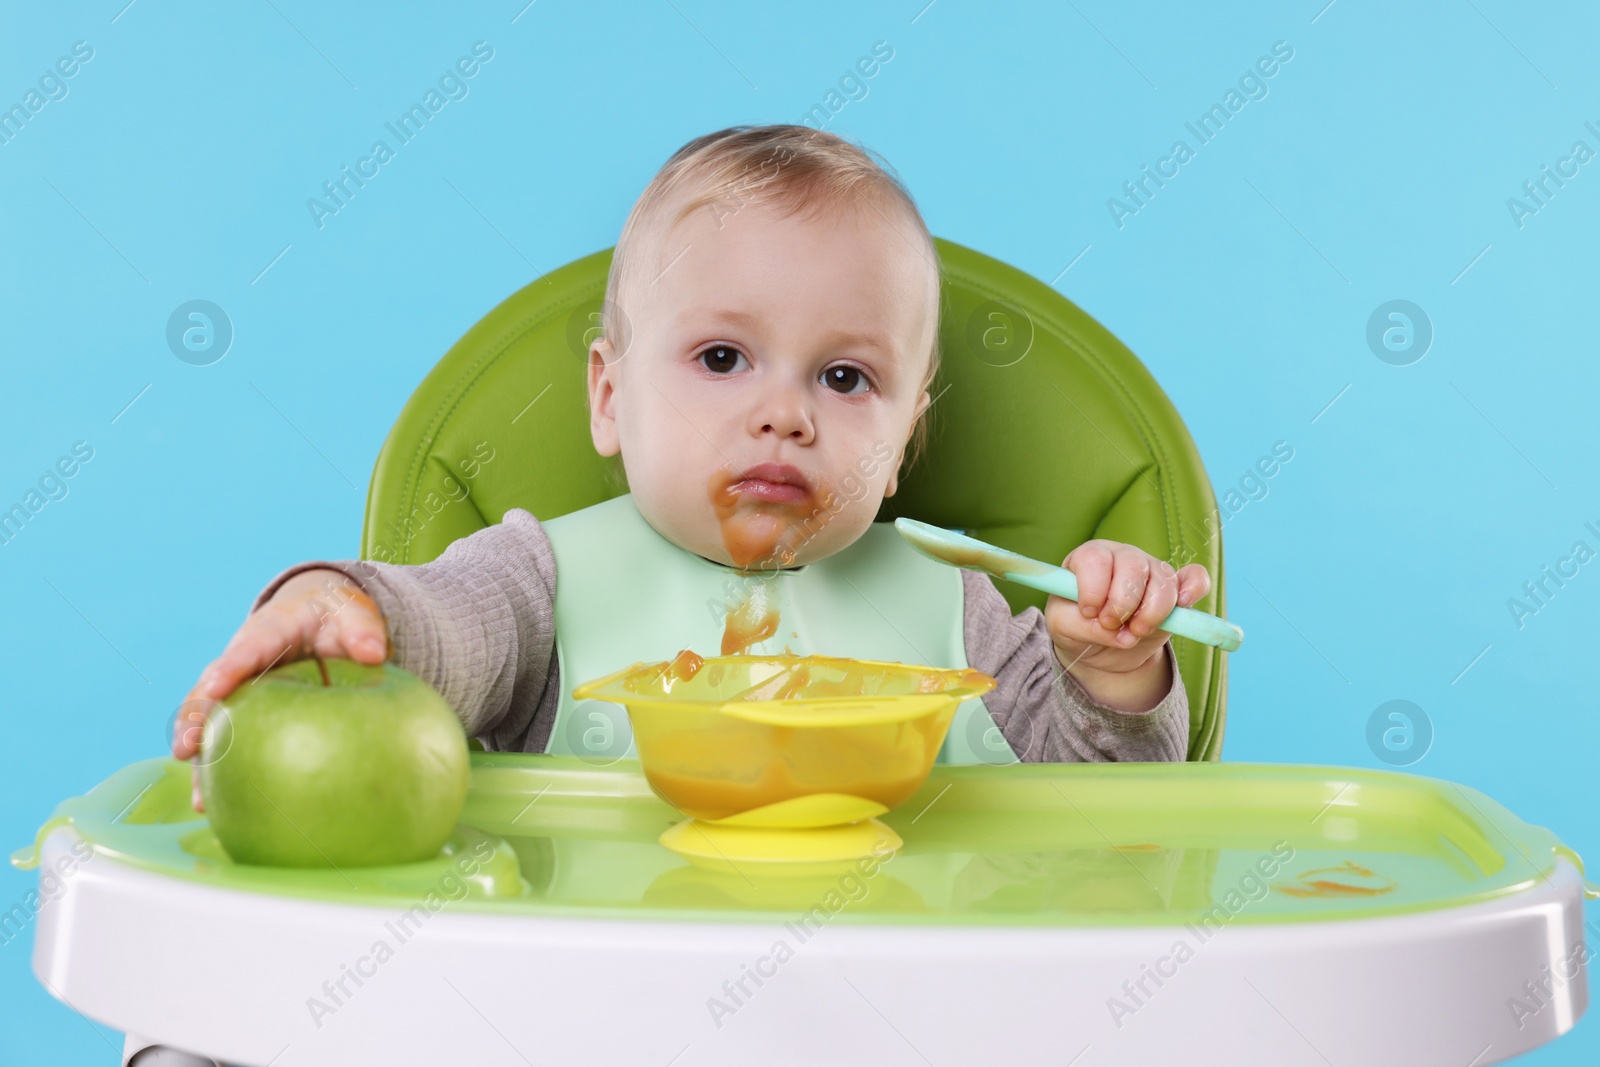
[(767, 512)]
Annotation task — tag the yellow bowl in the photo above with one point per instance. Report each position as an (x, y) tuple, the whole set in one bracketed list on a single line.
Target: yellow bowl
[(786, 741)]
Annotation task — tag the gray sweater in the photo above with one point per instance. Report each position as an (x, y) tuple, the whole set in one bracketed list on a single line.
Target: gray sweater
[(478, 625)]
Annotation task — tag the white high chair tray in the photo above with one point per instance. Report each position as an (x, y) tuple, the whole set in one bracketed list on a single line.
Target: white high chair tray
[(999, 934)]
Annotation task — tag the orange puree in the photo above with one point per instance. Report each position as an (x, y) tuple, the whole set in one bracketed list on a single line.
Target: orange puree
[(711, 798), (1324, 887), (753, 529), (701, 785), (801, 680), (685, 665), (711, 765), (760, 535), (750, 535), (752, 621)]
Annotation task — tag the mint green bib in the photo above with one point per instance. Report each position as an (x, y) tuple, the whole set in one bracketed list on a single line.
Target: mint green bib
[(625, 594)]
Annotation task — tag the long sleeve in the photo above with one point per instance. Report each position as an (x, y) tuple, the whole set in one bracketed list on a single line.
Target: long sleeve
[(1042, 711), (477, 624)]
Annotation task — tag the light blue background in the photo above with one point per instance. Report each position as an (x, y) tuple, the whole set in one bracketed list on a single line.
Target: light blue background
[(1378, 567)]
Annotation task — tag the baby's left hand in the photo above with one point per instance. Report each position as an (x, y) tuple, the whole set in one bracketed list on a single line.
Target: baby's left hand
[(1124, 593)]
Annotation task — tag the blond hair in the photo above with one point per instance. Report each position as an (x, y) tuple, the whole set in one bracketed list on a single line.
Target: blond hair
[(797, 169)]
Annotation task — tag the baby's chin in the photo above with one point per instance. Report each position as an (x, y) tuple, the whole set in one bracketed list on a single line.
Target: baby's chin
[(761, 538)]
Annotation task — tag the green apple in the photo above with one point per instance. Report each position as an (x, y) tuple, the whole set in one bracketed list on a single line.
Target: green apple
[(333, 763)]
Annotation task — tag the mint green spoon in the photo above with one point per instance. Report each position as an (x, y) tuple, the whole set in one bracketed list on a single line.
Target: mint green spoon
[(969, 553)]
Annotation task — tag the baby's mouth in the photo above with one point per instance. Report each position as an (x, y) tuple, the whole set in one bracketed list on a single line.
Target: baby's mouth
[(774, 483), (769, 492)]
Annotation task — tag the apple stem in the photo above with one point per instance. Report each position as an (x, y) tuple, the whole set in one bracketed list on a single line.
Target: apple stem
[(323, 668)]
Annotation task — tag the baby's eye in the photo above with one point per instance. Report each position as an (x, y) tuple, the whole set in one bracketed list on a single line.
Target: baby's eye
[(722, 359), (843, 378)]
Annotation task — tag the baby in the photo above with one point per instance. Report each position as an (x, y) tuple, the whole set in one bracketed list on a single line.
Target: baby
[(769, 342)]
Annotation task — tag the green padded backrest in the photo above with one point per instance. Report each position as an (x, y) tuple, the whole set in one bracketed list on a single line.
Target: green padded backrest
[(1046, 431)]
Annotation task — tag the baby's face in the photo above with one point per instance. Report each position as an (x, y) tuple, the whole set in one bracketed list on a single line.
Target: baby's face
[(772, 376)]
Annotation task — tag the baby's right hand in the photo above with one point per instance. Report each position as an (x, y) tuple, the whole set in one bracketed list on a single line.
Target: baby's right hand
[(318, 611)]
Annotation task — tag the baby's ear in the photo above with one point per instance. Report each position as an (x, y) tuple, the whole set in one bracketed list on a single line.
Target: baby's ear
[(603, 367), (893, 484)]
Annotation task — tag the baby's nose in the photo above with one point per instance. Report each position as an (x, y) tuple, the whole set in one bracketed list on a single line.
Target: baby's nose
[(784, 429), (783, 416)]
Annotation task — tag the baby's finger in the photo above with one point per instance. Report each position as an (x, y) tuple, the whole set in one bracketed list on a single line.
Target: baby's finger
[(1128, 583), (189, 726), (272, 636), (1160, 595), (194, 790), (1091, 564), (362, 640), (1069, 628), (362, 634), (1194, 582), (366, 643), (256, 647)]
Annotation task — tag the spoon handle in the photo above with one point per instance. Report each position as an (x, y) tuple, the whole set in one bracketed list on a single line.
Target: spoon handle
[(1185, 622), (959, 550)]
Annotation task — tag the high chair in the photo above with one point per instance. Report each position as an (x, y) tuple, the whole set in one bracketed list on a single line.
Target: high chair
[(1024, 373), (1038, 913)]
